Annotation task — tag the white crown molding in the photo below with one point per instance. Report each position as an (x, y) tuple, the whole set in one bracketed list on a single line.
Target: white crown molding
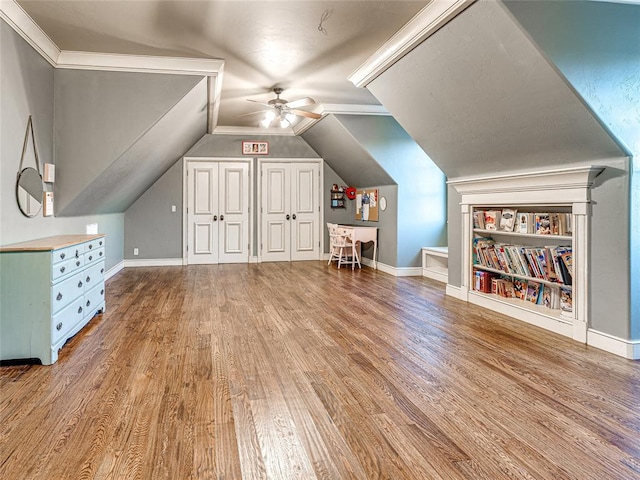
[(23, 24), (223, 130), (351, 109), (138, 63), (426, 22)]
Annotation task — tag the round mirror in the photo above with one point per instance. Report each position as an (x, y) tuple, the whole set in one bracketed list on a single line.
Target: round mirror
[(383, 203), (29, 192)]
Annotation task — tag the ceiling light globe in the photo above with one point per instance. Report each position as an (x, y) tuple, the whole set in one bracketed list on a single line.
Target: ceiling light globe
[(265, 123), (290, 117), (269, 115), (284, 123)]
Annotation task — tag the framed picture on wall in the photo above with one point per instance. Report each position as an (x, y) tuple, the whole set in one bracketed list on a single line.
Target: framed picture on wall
[(255, 148)]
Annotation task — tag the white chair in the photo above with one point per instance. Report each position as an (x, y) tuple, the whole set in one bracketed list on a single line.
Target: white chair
[(342, 248), (331, 227)]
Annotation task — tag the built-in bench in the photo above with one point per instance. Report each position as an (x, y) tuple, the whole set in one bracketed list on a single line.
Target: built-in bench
[(435, 263)]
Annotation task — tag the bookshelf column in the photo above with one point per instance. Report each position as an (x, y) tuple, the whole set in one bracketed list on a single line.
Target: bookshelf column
[(581, 214), (562, 190)]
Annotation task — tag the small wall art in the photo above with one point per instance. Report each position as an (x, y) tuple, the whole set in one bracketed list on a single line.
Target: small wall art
[(367, 204), (255, 148)]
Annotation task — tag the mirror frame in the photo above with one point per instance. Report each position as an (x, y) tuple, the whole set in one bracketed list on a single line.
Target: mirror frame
[(20, 206)]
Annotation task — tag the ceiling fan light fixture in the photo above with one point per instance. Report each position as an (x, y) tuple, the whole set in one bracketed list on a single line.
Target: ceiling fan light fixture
[(284, 123), (269, 115), (290, 117), (266, 122)]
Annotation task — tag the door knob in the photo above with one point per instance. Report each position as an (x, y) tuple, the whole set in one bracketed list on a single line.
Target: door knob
[(215, 218), (287, 217), (294, 216), (221, 217)]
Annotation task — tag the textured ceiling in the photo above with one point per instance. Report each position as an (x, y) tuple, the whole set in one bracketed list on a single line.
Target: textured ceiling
[(263, 43)]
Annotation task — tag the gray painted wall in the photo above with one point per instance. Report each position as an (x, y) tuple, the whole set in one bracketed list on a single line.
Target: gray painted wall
[(344, 154), (150, 225), (143, 218), (27, 88), (596, 46), (114, 137), (421, 208), (334, 215), (481, 100)]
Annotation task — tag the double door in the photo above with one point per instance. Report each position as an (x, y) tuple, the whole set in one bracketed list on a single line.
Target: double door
[(290, 211), (218, 212)]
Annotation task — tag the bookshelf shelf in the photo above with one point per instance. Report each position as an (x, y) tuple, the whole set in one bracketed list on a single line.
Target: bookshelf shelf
[(337, 199), (478, 266), (553, 238)]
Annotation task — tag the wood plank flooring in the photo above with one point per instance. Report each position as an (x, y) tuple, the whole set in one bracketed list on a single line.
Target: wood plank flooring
[(302, 371)]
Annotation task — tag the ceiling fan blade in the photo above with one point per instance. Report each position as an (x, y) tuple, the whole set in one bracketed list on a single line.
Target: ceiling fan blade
[(250, 113), (303, 102), (259, 103), (302, 113)]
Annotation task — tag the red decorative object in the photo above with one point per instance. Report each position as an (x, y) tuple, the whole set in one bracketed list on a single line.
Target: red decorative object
[(351, 193)]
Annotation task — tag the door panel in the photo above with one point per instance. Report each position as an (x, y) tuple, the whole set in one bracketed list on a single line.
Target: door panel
[(275, 201), (306, 200), (202, 241), (234, 210)]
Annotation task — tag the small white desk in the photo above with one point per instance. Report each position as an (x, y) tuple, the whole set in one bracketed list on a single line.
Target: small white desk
[(364, 235)]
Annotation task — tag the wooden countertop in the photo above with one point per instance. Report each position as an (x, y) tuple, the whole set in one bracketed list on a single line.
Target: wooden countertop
[(49, 243)]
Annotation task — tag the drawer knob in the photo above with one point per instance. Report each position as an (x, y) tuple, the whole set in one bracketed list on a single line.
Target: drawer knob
[(62, 255), (80, 284), (102, 292), (88, 279), (90, 247), (59, 326), (78, 263), (102, 270), (90, 257), (62, 269), (79, 309), (88, 302), (100, 242), (100, 253), (77, 253), (59, 297)]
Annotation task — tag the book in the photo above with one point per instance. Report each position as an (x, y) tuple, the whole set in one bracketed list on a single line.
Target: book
[(566, 300), (523, 223), (566, 258), (555, 223), (520, 288), (543, 224), (478, 219), (491, 219), (509, 291), (545, 298), (507, 219), (533, 292)]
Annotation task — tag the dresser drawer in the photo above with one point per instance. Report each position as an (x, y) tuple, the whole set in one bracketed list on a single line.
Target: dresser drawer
[(93, 300), (67, 318), (67, 291), (94, 245), (93, 255), (64, 268), (93, 276), (62, 254)]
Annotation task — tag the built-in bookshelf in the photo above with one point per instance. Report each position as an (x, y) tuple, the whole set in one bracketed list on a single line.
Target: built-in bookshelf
[(525, 246)]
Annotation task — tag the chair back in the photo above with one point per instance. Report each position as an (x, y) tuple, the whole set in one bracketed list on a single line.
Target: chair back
[(339, 237)]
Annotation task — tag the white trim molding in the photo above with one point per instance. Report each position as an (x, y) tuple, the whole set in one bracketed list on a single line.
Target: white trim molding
[(395, 271), (427, 21), (15, 16), (456, 292), (618, 346), (114, 270), (153, 262)]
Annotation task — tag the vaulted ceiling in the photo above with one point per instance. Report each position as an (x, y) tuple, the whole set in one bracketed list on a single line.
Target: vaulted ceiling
[(307, 47)]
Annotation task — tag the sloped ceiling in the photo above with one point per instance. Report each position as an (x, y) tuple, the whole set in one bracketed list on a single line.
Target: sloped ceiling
[(118, 180), (345, 155), (481, 99)]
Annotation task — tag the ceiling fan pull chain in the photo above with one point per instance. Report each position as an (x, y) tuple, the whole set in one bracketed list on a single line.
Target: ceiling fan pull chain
[(324, 17)]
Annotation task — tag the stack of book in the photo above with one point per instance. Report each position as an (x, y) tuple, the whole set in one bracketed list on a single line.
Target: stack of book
[(510, 220)]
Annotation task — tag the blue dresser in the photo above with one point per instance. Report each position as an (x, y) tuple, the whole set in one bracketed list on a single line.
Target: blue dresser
[(49, 289)]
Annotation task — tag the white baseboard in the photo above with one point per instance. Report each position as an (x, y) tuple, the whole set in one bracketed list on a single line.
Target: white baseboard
[(395, 271), (456, 292), (114, 270), (435, 275), (253, 259), (153, 262), (618, 346)]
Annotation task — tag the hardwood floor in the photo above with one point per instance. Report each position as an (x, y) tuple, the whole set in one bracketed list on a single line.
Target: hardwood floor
[(303, 371)]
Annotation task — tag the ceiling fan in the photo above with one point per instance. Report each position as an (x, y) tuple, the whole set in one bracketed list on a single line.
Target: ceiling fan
[(283, 111)]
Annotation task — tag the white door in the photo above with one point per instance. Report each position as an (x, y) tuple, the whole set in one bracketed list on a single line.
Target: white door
[(305, 199), (233, 244), (217, 212), (290, 214)]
